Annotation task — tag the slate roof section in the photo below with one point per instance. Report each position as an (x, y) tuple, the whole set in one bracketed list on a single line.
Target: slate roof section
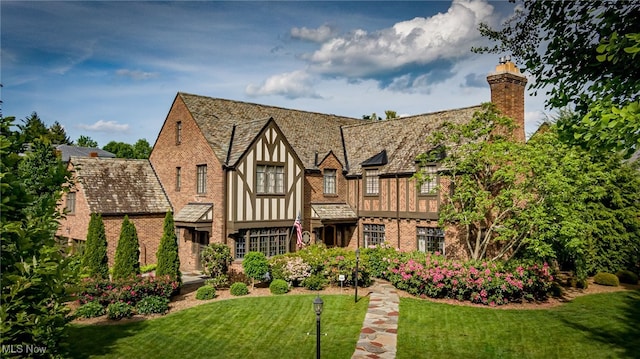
[(333, 211), (402, 138), (67, 151), (306, 132), (194, 212), (120, 186)]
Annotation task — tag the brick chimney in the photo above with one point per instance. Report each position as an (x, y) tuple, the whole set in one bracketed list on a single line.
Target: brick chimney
[(507, 93), (93, 154)]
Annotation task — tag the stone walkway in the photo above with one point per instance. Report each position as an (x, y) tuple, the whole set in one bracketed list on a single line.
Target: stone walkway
[(378, 336)]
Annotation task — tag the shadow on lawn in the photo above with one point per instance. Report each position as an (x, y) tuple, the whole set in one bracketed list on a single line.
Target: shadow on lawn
[(623, 333), (89, 340)]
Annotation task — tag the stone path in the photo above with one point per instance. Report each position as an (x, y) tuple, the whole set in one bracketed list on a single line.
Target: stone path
[(378, 336)]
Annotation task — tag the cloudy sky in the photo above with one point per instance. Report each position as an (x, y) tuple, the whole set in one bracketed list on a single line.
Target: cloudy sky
[(110, 70)]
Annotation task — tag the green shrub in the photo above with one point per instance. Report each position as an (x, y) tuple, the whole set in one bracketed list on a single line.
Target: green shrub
[(238, 289), (279, 286), (119, 310), (127, 262), (255, 266), (221, 281), (627, 276), (315, 282), (609, 279), (216, 259), (90, 310), (153, 305), (148, 268), (167, 254), (94, 258), (206, 292), (556, 290), (130, 290)]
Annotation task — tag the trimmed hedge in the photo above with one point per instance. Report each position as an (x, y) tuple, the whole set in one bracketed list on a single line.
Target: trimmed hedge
[(238, 289), (206, 292), (627, 276), (279, 286), (609, 279)]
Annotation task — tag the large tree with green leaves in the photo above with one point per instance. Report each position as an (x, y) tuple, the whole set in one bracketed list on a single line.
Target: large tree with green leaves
[(34, 269), (86, 141), (586, 52), (167, 255), (94, 259), (127, 260), (32, 128)]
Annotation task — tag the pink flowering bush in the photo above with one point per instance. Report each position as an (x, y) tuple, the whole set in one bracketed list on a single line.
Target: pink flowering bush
[(490, 283), (129, 291)]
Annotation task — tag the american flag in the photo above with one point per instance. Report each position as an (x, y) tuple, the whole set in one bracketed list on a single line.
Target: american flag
[(297, 226)]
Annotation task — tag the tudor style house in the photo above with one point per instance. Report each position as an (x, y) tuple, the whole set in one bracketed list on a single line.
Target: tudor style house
[(241, 174), (114, 187)]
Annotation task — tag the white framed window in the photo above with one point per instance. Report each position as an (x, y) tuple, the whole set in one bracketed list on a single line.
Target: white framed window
[(372, 182), (430, 239), (201, 179), (430, 184), (270, 179), (71, 203), (373, 234), (330, 181)]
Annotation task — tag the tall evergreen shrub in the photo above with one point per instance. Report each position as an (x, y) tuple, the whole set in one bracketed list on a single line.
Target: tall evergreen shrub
[(127, 263), (167, 255), (95, 259)]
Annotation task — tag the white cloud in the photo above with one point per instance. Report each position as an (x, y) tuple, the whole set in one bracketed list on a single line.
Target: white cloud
[(136, 74), (294, 84), (105, 126), (321, 34), (414, 42)]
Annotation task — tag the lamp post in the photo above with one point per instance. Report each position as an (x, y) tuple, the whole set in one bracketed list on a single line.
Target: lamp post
[(317, 307), (356, 279)]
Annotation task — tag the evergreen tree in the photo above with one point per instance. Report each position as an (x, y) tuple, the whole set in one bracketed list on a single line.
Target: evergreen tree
[(95, 253), (127, 261), (86, 141), (32, 128), (58, 135), (167, 255)]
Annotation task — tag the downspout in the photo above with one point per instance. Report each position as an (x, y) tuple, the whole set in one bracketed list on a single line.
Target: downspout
[(398, 209), (358, 210)]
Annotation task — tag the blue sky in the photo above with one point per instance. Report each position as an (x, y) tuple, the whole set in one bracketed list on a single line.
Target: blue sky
[(110, 70)]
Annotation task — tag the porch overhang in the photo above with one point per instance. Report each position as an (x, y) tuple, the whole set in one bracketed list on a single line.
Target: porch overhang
[(198, 216), (333, 213)]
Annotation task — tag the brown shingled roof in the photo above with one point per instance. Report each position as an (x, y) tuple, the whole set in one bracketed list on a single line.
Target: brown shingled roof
[(402, 138), (120, 186), (307, 132)]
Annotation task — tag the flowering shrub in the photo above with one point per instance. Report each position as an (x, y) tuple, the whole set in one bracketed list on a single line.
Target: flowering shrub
[(129, 291), (486, 282)]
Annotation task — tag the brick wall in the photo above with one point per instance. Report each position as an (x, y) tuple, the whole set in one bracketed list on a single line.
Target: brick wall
[(193, 150), (148, 228)]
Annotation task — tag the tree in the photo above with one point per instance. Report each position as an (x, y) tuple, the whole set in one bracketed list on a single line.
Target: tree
[(95, 253), (167, 255), (32, 128), (58, 135), (493, 200), (141, 149), (586, 52), (120, 149), (86, 141), (390, 114), (255, 266), (34, 270), (127, 261)]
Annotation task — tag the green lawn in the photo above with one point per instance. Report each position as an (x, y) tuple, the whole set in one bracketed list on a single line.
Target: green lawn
[(258, 327), (594, 326)]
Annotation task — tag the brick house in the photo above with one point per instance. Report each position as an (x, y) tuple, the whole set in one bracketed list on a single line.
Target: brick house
[(114, 187), (240, 174)]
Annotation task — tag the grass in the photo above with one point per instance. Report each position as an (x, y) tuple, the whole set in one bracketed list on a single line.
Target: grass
[(593, 326), (255, 327)]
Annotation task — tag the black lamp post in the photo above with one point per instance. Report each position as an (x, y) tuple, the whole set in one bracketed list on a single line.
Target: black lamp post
[(317, 307), (356, 279)]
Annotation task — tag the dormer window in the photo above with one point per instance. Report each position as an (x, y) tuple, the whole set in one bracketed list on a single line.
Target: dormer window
[(430, 176), (330, 181)]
